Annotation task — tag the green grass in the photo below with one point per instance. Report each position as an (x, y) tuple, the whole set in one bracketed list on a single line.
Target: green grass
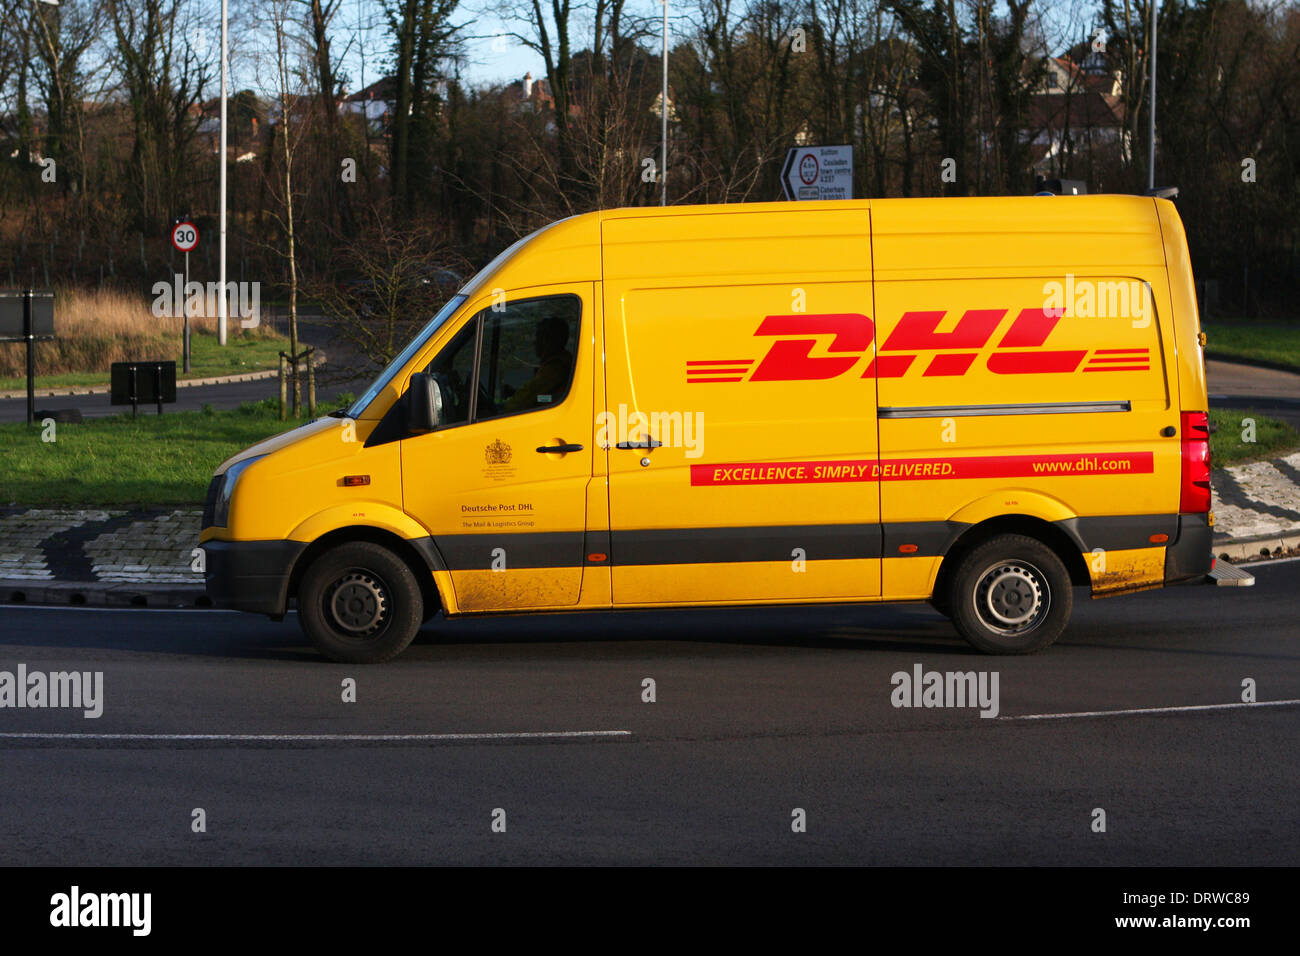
[(1275, 342), (151, 460), (169, 459), (242, 353), (1272, 437)]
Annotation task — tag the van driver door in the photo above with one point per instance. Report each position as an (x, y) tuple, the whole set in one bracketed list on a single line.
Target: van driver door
[(502, 483)]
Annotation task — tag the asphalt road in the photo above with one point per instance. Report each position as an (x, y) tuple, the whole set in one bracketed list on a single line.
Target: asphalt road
[(1270, 391), (757, 713)]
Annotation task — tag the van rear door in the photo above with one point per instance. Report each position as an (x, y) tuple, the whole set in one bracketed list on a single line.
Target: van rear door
[(1025, 369)]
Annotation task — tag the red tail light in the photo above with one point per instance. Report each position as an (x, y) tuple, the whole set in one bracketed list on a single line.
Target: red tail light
[(1195, 495)]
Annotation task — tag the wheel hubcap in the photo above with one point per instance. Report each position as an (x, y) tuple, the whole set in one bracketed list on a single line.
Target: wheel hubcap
[(358, 603), (1011, 597)]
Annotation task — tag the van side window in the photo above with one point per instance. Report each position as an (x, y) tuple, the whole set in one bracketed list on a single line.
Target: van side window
[(527, 356), (453, 367)]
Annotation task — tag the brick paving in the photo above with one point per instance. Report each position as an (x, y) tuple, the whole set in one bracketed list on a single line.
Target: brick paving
[(101, 546), (157, 546)]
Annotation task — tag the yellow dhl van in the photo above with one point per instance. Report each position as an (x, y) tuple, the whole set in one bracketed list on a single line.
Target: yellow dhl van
[(981, 403)]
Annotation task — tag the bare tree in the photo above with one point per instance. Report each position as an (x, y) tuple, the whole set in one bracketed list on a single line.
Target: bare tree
[(423, 36), (164, 79), (294, 121)]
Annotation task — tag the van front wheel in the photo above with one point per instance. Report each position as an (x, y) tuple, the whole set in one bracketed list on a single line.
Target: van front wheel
[(1010, 595), (360, 604)]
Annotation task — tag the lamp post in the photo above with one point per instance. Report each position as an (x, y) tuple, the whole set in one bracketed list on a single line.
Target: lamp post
[(663, 109), (1151, 118), (221, 242), (54, 53)]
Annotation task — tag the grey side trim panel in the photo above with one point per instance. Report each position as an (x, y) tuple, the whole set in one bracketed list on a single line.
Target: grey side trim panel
[(541, 549), (970, 411), (597, 542), (1118, 532), (428, 550), (932, 538), (733, 545)]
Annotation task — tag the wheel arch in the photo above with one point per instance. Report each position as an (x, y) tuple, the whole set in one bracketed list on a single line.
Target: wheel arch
[(423, 561), (1049, 533)]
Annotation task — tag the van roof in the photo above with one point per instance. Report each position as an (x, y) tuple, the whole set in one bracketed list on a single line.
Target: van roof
[(1011, 206), (1072, 230)]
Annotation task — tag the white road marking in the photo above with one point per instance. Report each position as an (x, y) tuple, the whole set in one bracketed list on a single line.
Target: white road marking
[(1155, 710), (325, 738), (23, 606)]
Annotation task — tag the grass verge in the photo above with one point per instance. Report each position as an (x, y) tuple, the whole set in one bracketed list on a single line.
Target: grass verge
[(242, 353), (151, 460), (169, 459), (1275, 342), (1228, 446)]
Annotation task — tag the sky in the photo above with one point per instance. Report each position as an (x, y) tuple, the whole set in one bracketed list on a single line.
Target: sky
[(492, 56), (361, 43)]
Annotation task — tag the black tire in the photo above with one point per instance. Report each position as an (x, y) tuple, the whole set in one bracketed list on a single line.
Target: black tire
[(359, 603), (1010, 595)]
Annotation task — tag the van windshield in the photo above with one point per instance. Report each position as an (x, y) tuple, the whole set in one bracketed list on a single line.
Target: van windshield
[(404, 356)]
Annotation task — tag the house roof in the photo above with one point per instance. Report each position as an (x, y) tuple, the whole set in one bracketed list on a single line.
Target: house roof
[(1077, 109)]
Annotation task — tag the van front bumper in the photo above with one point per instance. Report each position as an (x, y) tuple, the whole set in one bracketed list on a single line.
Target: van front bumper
[(250, 575), (1191, 555)]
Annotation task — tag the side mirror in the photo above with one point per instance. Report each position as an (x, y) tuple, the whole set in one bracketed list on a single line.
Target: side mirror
[(424, 403)]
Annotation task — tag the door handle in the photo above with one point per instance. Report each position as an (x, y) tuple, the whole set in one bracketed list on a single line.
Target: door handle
[(558, 449), (640, 443)]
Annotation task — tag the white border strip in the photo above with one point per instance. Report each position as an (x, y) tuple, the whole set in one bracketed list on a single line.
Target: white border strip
[(325, 738), (1156, 710), (1246, 565)]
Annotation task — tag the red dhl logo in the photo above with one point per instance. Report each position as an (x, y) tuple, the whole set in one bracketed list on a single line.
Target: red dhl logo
[(1018, 352)]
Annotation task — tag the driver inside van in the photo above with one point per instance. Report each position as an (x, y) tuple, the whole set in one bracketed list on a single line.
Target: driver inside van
[(550, 381)]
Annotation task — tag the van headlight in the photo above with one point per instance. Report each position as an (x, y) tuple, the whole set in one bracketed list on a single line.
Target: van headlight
[(221, 513)]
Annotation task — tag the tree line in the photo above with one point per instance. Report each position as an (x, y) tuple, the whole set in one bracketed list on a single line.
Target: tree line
[(107, 122)]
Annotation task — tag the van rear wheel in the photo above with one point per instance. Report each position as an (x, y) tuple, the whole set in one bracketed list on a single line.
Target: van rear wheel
[(1010, 595), (359, 603)]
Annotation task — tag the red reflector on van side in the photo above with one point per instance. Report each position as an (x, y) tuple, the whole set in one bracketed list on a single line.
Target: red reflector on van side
[(1158, 538), (597, 557), (907, 549), (354, 481)]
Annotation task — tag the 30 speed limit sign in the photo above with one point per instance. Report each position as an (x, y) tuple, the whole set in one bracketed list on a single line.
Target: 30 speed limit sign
[(185, 236)]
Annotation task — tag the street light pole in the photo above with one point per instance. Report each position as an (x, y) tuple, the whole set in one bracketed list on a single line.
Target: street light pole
[(54, 53), (663, 105), (221, 278), (1151, 118)]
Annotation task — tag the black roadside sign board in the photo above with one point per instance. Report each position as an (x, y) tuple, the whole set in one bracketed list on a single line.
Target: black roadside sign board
[(11, 315), (139, 383)]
